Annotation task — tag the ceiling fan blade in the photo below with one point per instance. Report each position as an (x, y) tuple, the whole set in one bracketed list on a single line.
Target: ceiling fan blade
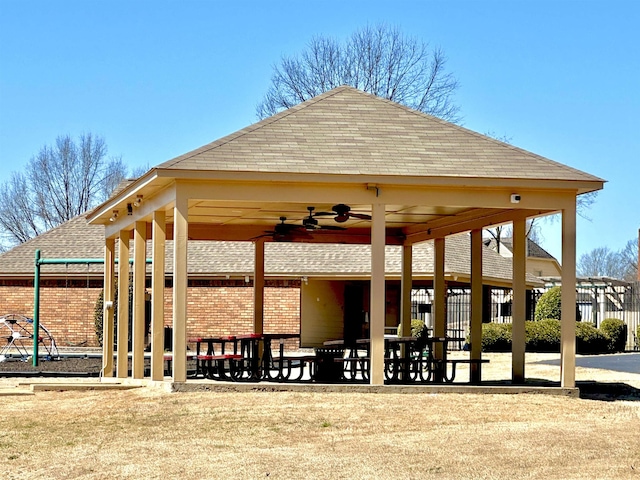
[(331, 227), (265, 234), (361, 216), (324, 214)]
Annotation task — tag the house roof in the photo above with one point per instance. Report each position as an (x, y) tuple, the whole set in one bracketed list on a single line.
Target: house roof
[(533, 249), (346, 131), (79, 239)]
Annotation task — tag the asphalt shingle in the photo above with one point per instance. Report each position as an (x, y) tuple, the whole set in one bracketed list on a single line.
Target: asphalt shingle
[(78, 239), (351, 132)]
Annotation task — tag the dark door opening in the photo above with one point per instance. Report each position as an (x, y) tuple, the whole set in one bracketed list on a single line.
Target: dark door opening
[(355, 320)]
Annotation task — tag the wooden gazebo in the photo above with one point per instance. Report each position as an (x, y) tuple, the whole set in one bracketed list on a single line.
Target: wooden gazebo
[(410, 178)]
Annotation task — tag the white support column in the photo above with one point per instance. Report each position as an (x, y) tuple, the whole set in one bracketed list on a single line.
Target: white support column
[(122, 359), (258, 287), (476, 304), (378, 304), (439, 301), (180, 284), (107, 311), (602, 305), (568, 316), (159, 236), (139, 277), (406, 284), (519, 306)]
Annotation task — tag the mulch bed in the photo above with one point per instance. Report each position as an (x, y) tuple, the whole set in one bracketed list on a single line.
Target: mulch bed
[(78, 366)]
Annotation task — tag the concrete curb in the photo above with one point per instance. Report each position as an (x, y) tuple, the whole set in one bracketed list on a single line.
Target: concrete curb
[(63, 386), (374, 389), (14, 392)]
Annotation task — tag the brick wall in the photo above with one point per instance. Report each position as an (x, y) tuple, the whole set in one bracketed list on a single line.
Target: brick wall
[(67, 312), (213, 308)]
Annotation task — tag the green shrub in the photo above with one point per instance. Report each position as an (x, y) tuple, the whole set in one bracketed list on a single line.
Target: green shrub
[(590, 340), (98, 313), (616, 330), (543, 336), (418, 330), (496, 337), (550, 306)]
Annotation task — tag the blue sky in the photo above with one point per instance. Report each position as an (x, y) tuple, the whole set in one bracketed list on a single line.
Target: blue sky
[(158, 78)]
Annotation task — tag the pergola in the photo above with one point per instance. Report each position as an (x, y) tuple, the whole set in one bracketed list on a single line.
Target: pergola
[(419, 178)]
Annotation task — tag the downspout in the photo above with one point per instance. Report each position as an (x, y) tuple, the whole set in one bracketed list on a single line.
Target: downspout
[(36, 309)]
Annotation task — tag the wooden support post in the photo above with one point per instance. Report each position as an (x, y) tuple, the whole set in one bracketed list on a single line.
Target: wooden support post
[(378, 304), (108, 308), (406, 285), (159, 235), (440, 301), (568, 315), (519, 306), (258, 287), (476, 305), (139, 277), (180, 282), (122, 360)]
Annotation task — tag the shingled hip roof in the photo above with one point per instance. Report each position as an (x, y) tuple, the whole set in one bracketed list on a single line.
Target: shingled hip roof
[(346, 131)]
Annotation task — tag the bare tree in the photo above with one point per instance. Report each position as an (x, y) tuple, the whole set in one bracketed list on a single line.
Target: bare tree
[(379, 60), (629, 260), (602, 261), (584, 202), (60, 182), (18, 214)]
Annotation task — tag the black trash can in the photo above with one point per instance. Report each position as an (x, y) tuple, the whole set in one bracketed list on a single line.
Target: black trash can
[(329, 365), (168, 339)]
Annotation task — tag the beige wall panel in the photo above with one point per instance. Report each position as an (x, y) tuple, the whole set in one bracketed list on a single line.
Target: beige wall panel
[(543, 267), (322, 312)]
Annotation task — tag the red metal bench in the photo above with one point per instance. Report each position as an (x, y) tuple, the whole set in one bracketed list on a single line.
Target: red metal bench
[(213, 366)]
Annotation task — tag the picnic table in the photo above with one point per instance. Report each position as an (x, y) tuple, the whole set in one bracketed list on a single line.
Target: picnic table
[(220, 360), (262, 357), (407, 359), (276, 366), (250, 357)]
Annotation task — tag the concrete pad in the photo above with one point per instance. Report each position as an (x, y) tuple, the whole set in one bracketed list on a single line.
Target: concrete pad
[(14, 392), (62, 387), (205, 386)]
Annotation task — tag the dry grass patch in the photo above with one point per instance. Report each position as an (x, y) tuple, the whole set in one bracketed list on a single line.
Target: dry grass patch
[(151, 434)]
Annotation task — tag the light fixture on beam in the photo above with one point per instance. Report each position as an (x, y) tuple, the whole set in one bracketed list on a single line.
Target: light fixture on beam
[(129, 209), (137, 201), (114, 216)]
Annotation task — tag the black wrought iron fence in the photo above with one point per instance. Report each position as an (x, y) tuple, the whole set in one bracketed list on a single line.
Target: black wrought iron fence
[(596, 301)]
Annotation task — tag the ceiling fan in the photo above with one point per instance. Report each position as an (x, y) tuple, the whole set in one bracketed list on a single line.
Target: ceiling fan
[(342, 213), (287, 231), (283, 231), (310, 223)]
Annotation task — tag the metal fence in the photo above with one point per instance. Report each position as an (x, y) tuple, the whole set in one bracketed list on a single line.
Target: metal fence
[(596, 299)]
